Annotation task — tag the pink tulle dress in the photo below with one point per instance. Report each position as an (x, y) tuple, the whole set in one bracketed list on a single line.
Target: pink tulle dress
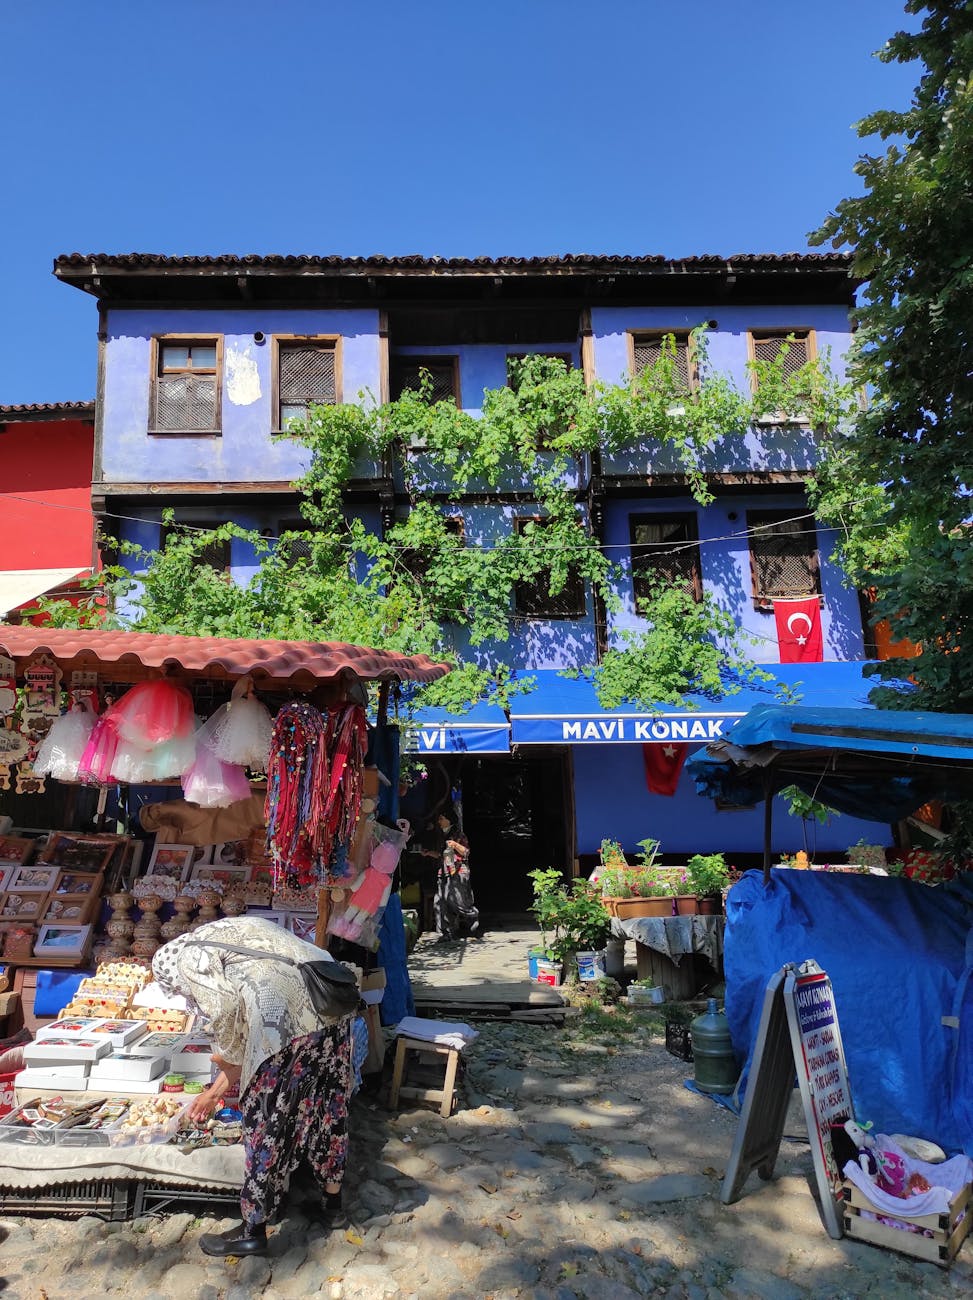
[(153, 712)]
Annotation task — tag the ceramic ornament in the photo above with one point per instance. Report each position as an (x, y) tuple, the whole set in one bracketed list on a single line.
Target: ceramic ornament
[(13, 748), (84, 690), (42, 690), (28, 782)]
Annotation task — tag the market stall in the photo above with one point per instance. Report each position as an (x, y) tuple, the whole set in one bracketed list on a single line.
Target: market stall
[(253, 732)]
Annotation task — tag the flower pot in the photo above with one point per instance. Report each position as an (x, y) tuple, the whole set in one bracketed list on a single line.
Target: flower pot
[(686, 905), (627, 908), (653, 997), (710, 905), (591, 965), (534, 957)]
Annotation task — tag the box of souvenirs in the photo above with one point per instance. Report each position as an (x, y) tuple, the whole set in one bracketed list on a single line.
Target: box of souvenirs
[(67, 1027), (60, 1078), (163, 1043), (28, 1126), (193, 1057), (116, 1083), (86, 1126), (157, 1119), (122, 1033), (133, 1066), (57, 1051)]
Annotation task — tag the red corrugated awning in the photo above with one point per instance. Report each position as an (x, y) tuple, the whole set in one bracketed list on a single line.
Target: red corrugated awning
[(124, 657)]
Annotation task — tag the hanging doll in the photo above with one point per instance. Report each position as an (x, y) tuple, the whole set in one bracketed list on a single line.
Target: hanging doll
[(372, 893)]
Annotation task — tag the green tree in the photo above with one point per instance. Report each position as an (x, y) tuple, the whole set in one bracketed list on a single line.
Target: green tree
[(897, 487)]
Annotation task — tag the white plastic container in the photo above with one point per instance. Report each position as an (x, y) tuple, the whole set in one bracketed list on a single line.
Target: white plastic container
[(591, 966)]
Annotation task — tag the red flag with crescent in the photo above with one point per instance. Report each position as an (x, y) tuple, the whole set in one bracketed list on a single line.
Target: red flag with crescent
[(799, 630), (663, 764)]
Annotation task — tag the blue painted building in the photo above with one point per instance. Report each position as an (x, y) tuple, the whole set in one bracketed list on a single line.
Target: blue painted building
[(202, 360)]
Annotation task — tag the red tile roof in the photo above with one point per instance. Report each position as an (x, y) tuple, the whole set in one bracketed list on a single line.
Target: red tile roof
[(38, 411), (123, 656)]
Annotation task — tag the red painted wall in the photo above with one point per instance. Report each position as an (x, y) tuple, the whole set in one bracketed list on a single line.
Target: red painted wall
[(45, 495)]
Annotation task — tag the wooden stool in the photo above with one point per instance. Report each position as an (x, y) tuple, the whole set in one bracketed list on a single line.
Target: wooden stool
[(443, 1095)]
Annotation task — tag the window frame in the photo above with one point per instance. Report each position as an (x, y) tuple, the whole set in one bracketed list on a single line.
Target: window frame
[(761, 332), (579, 611), (295, 340), (438, 359), (159, 341), (199, 525), (763, 603), (682, 335), (637, 549)]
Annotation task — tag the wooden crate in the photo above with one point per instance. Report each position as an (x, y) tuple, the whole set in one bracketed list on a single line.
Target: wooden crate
[(948, 1231)]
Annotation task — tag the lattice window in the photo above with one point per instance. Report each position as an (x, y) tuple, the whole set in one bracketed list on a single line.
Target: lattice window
[(534, 600), (187, 387), (215, 553), (405, 372), (291, 545), (306, 376), (647, 349), (768, 347), (783, 556), (665, 548)]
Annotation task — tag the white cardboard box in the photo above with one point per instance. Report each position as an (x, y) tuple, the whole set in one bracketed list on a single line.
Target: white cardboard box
[(114, 1085), (193, 1057), (162, 1043), (131, 1065), (122, 1033), (65, 1051), (68, 1027), (60, 1080)]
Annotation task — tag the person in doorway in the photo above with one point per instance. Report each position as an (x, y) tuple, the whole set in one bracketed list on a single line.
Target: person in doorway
[(455, 906), (294, 1069)]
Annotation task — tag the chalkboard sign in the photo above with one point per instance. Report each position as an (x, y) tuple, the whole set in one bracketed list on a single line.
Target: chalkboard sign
[(799, 1035)]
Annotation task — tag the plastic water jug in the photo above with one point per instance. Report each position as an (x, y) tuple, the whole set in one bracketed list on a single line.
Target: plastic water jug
[(715, 1064)]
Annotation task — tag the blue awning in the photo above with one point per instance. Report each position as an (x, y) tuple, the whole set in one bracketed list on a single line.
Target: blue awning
[(565, 711), (483, 730), (874, 763)]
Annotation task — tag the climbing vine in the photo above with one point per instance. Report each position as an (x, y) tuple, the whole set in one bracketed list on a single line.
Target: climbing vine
[(425, 584)]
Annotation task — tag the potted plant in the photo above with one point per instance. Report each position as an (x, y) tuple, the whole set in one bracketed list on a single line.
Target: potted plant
[(687, 903), (642, 890), (572, 919), (645, 993), (708, 875), (611, 854)]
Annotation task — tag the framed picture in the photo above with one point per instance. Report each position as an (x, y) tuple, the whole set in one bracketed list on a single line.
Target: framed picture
[(278, 918), (75, 884), (38, 879), (79, 853), (227, 875), (61, 940), (15, 848), (6, 871), (303, 927), (172, 860), (21, 907)]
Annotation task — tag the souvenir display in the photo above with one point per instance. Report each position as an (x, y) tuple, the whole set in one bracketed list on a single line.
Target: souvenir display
[(8, 687), (42, 696), (59, 754), (211, 783), (57, 1051), (16, 848), (21, 907), (37, 879), (172, 860), (194, 1055), (155, 1120), (58, 1078), (62, 940), (67, 1027), (240, 732), (13, 748), (75, 911), (121, 1033), (18, 941), (132, 1066), (92, 853)]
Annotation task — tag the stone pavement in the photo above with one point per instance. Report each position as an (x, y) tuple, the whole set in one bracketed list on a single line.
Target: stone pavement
[(579, 1168), (493, 968)]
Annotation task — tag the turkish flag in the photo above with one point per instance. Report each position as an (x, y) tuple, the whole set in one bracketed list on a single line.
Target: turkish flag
[(663, 763), (799, 630)]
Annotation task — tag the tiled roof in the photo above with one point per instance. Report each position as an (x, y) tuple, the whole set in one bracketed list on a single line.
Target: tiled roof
[(21, 411), (123, 656), (92, 262)]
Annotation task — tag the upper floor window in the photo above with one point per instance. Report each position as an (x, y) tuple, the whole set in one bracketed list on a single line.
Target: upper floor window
[(443, 375), (514, 369), (306, 375), (215, 553), (293, 544), (665, 548), (648, 346), (784, 561), (534, 600), (186, 387), (793, 348)]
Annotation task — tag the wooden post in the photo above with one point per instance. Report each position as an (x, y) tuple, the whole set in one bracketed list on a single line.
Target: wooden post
[(324, 915), (768, 825)]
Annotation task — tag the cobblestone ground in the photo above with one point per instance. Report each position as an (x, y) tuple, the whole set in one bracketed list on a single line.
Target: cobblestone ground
[(579, 1168)]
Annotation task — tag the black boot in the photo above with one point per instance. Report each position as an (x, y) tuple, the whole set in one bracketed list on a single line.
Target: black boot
[(240, 1240), (332, 1213)]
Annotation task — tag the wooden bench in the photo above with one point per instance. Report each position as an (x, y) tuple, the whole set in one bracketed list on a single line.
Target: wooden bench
[(444, 1095)]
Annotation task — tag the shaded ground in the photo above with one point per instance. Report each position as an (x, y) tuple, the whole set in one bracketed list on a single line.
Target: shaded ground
[(578, 1168)]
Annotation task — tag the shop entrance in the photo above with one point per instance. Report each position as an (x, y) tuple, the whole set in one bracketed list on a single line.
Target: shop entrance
[(518, 814)]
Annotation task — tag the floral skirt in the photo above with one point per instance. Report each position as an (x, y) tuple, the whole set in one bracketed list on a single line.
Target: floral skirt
[(296, 1108)]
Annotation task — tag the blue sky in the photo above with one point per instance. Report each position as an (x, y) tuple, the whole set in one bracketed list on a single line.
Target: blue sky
[(457, 127)]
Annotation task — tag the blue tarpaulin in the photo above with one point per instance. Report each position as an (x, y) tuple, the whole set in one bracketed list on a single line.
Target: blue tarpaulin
[(900, 957), (562, 710), (880, 764)]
